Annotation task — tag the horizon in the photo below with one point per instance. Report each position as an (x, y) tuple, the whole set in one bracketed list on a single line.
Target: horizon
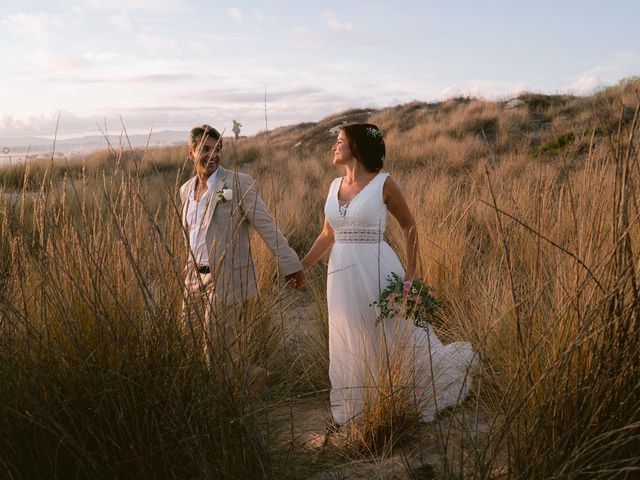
[(158, 66)]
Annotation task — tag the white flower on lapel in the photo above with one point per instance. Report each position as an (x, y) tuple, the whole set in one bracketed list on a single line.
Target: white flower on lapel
[(224, 195)]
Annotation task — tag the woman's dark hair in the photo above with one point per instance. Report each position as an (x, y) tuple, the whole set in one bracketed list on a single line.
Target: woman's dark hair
[(366, 144)]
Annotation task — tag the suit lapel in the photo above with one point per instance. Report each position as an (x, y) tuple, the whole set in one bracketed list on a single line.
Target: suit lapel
[(186, 200), (221, 179)]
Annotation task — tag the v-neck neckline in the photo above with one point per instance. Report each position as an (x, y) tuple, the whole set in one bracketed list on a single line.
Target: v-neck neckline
[(349, 202)]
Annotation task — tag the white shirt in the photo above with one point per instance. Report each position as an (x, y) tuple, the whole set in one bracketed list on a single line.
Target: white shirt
[(195, 217)]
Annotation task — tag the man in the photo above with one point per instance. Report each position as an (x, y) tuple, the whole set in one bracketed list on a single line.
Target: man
[(218, 209)]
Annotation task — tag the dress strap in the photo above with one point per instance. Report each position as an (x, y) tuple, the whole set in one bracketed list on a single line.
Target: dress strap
[(382, 177), (335, 185)]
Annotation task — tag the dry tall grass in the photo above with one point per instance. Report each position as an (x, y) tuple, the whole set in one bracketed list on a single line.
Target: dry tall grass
[(529, 234), (97, 380)]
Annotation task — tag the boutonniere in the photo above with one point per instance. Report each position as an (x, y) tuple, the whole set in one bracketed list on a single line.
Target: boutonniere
[(225, 194)]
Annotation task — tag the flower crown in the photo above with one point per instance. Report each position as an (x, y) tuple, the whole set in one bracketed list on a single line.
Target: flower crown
[(374, 132)]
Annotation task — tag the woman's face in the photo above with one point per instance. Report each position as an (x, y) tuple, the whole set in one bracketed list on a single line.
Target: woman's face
[(341, 150)]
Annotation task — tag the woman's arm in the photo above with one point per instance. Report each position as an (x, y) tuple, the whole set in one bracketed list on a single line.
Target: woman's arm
[(319, 247), (398, 207)]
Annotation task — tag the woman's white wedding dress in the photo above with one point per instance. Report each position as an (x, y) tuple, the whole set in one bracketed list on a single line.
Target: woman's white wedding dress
[(359, 348)]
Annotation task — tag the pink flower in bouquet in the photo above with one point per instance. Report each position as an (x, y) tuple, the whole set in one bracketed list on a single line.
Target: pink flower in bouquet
[(407, 299)]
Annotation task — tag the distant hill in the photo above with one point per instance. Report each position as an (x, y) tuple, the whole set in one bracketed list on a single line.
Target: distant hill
[(542, 125), (19, 145)]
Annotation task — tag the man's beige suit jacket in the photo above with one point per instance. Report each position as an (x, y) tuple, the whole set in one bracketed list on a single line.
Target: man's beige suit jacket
[(226, 225)]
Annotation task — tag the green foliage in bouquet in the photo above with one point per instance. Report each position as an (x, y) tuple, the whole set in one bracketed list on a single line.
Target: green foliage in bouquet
[(413, 300)]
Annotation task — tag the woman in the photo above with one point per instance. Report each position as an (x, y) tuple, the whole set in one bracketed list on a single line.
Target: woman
[(359, 268)]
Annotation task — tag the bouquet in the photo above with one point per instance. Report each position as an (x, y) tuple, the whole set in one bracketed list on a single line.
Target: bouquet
[(413, 300)]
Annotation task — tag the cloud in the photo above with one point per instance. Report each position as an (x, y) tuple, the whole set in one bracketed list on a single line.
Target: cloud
[(158, 43), (198, 47), (233, 96), (257, 16), (376, 7), (585, 85), (302, 37), (285, 104), (131, 5), (450, 91), (135, 120), (619, 65), (49, 61), (336, 25), (235, 13), (37, 124), (122, 21), (519, 88), (39, 28), (218, 38), (487, 89), (30, 27), (106, 57), (160, 78)]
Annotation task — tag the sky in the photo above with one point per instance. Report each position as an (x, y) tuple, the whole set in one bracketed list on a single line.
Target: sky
[(154, 65)]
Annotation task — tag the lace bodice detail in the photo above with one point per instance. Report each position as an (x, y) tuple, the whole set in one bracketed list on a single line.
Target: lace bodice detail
[(361, 220)]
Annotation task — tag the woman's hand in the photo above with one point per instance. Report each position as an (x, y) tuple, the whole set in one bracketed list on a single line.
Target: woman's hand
[(397, 205)]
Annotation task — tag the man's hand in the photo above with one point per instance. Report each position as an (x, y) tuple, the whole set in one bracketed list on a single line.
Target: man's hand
[(295, 280)]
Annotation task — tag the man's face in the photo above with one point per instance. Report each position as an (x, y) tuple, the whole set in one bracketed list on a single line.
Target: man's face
[(206, 155)]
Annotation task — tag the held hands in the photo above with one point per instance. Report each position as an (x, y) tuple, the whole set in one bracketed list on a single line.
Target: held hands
[(295, 280)]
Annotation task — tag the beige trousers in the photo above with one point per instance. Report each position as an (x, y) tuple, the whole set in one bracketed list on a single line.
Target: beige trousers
[(218, 329)]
